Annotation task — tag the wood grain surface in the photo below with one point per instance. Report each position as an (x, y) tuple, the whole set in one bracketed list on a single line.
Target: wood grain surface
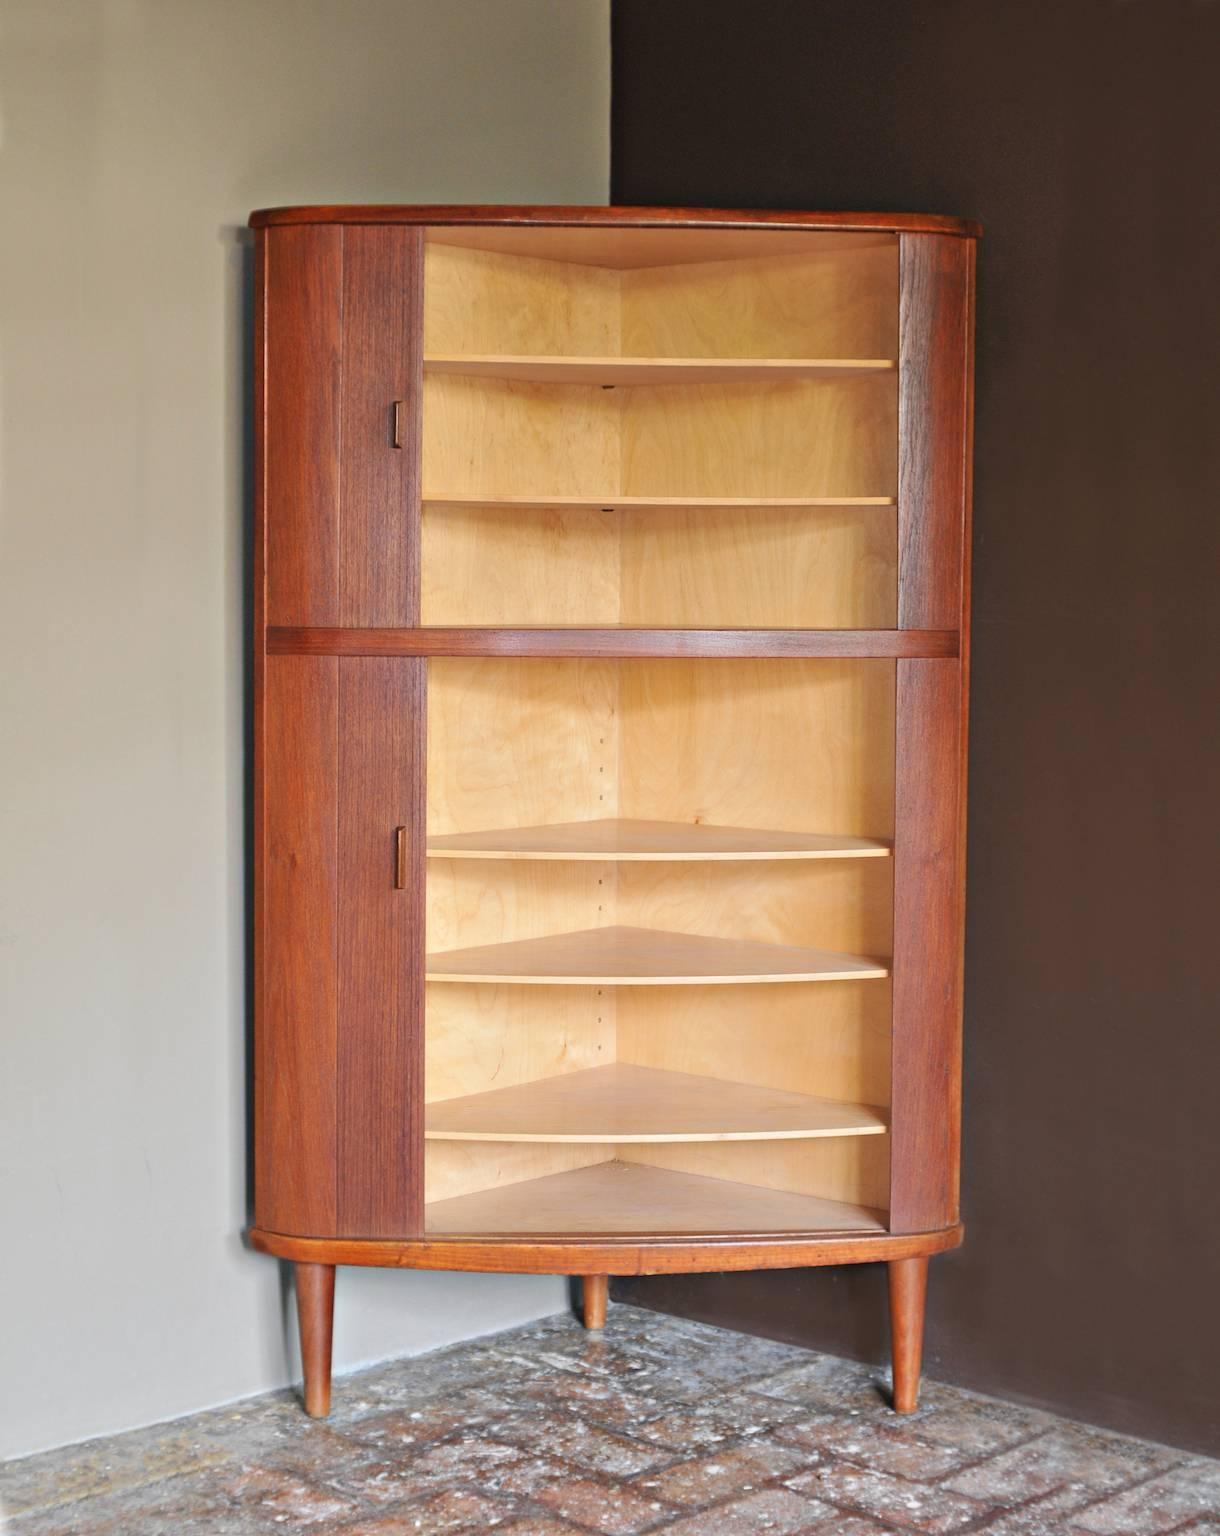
[(935, 370), (295, 1167), (300, 367), (607, 1254), (381, 944), (927, 949), (379, 482)]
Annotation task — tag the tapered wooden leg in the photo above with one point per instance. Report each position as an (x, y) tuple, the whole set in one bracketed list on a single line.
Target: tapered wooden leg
[(315, 1286), (908, 1289), (596, 1293)]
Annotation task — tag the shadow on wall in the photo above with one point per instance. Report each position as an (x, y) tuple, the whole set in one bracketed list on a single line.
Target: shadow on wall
[(1083, 135), (238, 244)]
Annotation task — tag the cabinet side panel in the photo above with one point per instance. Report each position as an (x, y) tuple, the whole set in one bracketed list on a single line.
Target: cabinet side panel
[(258, 649), (304, 299), (926, 1088), (295, 1023), (382, 364), (381, 944), (933, 417)]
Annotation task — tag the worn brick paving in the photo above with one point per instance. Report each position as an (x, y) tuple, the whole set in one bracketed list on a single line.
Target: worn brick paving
[(656, 1425)]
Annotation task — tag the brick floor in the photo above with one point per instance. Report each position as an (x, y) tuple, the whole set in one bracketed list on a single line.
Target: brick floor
[(658, 1425)]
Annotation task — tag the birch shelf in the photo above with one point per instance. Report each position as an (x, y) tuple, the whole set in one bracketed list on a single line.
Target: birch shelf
[(616, 503), (627, 840), (640, 957), (623, 1103), (609, 371), (634, 1199)]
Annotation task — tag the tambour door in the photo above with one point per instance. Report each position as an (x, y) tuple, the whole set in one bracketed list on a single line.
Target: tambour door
[(338, 1067), (340, 323), (936, 298), (338, 936)]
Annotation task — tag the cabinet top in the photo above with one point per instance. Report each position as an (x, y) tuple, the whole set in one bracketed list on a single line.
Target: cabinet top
[(529, 215)]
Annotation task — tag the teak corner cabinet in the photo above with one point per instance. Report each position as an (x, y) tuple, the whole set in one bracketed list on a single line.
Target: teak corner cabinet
[(610, 699)]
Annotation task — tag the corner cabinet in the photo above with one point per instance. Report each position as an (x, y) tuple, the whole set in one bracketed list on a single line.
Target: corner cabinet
[(609, 715)]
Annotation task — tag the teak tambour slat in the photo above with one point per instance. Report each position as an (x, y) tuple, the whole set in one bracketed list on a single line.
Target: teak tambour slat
[(381, 946), (302, 284), (342, 344), (295, 1159), (382, 308), (933, 391)]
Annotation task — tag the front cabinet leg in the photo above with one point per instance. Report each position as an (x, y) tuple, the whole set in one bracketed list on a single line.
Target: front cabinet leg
[(315, 1287), (908, 1290)]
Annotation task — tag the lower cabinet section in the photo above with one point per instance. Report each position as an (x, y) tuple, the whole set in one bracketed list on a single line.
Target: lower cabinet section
[(545, 950), (659, 900)]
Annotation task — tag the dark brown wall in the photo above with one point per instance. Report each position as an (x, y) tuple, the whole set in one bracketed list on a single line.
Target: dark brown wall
[(1085, 134)]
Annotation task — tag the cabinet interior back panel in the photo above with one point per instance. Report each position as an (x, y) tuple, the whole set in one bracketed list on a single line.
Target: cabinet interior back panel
[(820, 754), (772, 567), (482, 302), (839, 301)]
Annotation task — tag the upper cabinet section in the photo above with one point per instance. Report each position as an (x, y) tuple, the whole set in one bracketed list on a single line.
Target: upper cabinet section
[(505, 424), (761, 297), (660, 427)]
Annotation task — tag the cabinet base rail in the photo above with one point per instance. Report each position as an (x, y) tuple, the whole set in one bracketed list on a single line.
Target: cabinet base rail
[(595, 1261)]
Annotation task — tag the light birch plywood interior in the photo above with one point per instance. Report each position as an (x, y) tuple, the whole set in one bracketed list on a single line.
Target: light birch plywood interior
[(720, 481), (496, 436), (514, 743)]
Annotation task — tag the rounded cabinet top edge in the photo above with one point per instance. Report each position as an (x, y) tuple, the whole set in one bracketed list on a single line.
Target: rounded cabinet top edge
[(605, 217)]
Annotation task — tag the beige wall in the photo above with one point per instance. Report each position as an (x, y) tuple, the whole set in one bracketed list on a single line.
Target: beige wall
[(136, 137)]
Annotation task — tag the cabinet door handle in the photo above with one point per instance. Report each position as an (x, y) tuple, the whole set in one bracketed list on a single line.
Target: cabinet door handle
[(400, 422), (400, 858)]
